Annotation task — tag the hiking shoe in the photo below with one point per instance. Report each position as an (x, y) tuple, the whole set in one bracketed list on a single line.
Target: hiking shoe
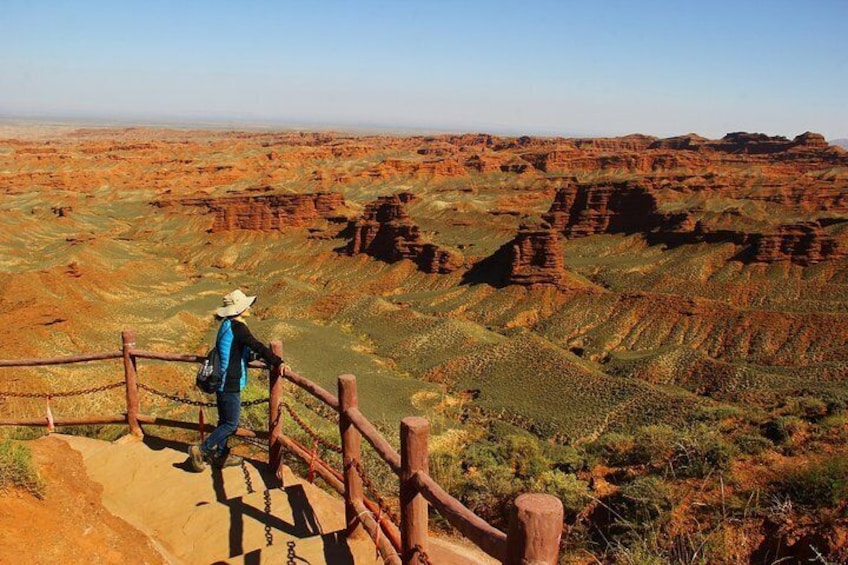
[(196, 457), (230, 460)]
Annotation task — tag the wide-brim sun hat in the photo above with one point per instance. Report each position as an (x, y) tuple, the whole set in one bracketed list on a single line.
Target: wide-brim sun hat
[(235, 303)]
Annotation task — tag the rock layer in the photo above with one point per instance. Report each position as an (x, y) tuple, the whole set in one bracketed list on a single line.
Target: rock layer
[(386, 232), (535, 257), (271, 212)]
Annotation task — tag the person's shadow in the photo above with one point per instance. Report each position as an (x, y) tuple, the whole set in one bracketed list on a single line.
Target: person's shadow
[(305, 522)]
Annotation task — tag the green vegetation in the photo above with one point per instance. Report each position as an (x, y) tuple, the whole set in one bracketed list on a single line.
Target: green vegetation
[(819, 484), (18, 470)]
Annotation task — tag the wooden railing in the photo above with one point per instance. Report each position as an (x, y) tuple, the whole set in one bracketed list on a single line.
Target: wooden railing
[(535, 524)]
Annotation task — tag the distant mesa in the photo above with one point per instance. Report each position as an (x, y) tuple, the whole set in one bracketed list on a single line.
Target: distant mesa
[(804, 242), (435, 168), (533, 258), (386, 232), (581, 209), (267, 212), (584, 209)]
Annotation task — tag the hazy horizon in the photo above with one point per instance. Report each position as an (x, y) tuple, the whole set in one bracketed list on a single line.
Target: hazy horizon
[(225, 124), (545, 68)]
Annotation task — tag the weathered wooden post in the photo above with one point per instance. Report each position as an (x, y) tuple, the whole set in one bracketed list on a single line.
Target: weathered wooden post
[(351, 453), (131, 381), (535, 528), (275, 420), (414, 435)]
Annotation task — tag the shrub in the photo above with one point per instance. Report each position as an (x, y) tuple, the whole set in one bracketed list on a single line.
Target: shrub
[(701, 451), (780, 430), (565, 458), (523, 455), (809, 408), (653, 445), (614, 448), (573, 492), (718, 413), (820, 484), (643, 501), (752, 444), (17, 469)]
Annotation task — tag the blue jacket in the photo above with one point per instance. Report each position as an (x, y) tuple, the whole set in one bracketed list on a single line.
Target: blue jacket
[(235, 344)]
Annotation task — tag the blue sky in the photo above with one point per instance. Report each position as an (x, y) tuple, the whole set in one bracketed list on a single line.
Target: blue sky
[(604, 67)]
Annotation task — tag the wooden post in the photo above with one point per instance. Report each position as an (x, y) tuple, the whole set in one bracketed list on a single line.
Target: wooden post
[(275, 419), (535, 528), (414, 435), (351, 454), (131, 380)]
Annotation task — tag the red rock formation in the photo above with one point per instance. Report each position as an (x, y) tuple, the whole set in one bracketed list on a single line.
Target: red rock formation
[(803, 243), (484, 163), (535, 257), (585, 209), (386, 232), (582, 209), (686, 142), (389, 168), (629, 143), (269, 212)]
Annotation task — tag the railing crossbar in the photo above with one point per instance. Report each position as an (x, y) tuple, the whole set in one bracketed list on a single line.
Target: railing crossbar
[(61, 360), (383, 448), (484, 535), (315, 390)]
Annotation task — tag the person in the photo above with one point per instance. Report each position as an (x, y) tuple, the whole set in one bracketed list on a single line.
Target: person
[(235, 344)]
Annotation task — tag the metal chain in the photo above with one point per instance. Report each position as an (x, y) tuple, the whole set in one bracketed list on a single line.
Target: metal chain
[(180, 399), (190, 402), (291, 554), (312, 433), (61, 394), (269, 535), (372, 490), (319, 408), (252, 441), (248, 483), (423, 558)]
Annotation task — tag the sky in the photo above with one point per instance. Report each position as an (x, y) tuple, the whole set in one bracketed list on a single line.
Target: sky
[(536, 67)]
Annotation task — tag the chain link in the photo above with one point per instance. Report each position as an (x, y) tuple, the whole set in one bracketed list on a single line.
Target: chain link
[(175, 398), (372, 490), (252, 441), (317, 407), (60, 394), (291, 554), (269, 535), (423, 558), (191, 402), (248, 483), (310, 432)]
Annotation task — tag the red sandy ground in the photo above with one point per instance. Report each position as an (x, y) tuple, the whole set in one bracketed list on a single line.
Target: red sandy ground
[(70, 525)]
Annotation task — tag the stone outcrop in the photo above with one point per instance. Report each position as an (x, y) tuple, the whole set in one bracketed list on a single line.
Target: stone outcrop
[(436, 168), (804, 243), (267, 212), (759, 144), (386, 232), (582, 209), (535, 257)]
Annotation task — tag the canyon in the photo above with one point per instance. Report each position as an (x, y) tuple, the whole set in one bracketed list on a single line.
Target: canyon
[(569, 290)]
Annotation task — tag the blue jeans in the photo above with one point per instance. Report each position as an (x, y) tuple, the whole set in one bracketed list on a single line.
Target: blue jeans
[(229, 411)]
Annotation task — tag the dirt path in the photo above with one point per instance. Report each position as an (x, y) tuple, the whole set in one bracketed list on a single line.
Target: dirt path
[(137, 502)]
